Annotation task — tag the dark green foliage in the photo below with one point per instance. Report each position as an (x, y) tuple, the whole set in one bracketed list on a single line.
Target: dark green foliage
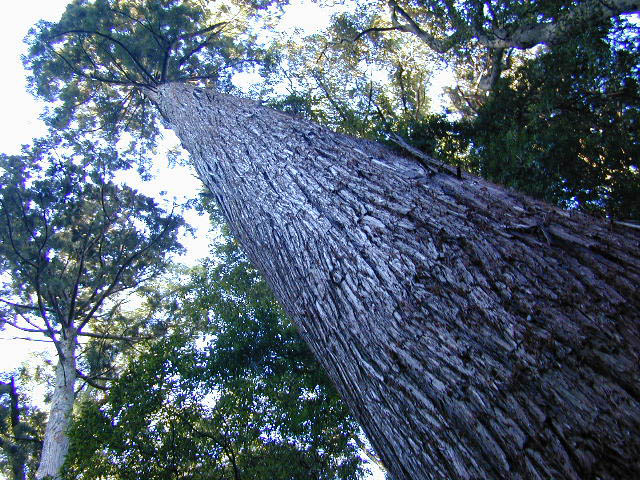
[(242, 399), (561, 124), (71, 237), (437, 136), (564, 127), (21, 427), (101, 53)]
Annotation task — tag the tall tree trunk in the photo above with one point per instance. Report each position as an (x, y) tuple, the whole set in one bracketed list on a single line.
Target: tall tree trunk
[(56, 438), (473, 332)]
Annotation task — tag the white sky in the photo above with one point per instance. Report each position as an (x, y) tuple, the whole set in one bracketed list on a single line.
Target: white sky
[(19, 122)]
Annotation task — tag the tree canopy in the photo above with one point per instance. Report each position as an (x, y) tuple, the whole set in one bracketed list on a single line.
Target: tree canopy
[(479, 39), (101, 52)]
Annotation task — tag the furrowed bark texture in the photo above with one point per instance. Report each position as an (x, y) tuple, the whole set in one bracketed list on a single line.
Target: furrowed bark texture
[(56, 439), (473, 332)]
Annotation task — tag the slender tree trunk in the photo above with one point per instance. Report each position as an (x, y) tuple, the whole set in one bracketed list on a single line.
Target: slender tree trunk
[(473, 332), (18, 458), (56, 439), (12, 447)]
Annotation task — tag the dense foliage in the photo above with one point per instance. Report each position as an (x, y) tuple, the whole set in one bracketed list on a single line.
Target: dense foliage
[(21, 429), (232, 393), (104, 53), (564, 127)]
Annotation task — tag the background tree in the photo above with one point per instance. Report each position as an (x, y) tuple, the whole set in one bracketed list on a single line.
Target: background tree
[(21, 428), (480, 39), (232, 393), (73, 243), (350, 87)]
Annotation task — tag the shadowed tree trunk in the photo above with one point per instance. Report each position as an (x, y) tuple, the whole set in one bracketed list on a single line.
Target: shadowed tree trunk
[(13, 432), (56, 439), (474, 333)]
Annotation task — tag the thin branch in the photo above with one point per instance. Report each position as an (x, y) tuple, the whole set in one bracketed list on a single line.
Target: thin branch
[(627, 224), (327, 94), (576, 18), (440, 46), (90, 381), (106, 336), (115, 41), (97, 78), (160, 40), (202, 31), (112, 287), (375, 29), (25, 329), (19, 305), (428, 162), (27, 320), (29, 339), (122, 70)]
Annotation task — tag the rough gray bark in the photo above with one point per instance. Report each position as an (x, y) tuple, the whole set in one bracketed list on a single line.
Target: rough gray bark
[(56, 439), (473, 332)]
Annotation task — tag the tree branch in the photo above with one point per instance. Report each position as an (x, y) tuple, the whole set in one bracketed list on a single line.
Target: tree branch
[(106, 336), (200, 46), (109, 38), (26, 329), (110, 289), (89, 381), (202, 31), (160, 40), (33, 340), (411, 26), (576, 18), (97, 78), (376, 29), (19, 305)]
